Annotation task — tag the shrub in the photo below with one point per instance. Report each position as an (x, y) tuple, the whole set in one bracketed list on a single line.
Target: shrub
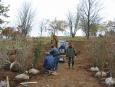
[(98, 52)]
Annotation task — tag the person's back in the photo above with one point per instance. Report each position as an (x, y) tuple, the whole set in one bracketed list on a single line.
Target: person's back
[(49, 62), (55, 52), (62, 49), (50, 59), (70, 54), (62, 46)]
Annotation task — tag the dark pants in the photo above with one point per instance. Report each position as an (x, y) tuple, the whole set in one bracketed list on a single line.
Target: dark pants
[(71, 61), (56, 62)]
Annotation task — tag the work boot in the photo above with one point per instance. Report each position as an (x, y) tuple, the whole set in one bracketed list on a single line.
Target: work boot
[(69, 65)]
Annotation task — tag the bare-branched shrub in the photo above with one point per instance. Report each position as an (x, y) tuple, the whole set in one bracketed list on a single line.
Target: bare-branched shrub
[(98, 52), (111, 48), (26, 52), (3, 57), (102, 53)]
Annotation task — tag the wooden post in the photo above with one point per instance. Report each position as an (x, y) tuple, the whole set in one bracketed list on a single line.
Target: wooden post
[(7, 79)]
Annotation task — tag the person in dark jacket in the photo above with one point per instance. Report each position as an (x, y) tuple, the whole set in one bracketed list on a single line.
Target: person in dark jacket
[(70, 54)]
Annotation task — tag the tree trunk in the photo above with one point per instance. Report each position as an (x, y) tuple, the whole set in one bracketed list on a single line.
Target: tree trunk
[(88, 27), (73, 35)]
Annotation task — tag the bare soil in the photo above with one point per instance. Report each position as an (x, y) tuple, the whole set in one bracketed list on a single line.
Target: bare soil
[(79, 77)]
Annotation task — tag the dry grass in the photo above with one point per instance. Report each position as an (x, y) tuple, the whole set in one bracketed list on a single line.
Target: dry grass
[(101, 51)]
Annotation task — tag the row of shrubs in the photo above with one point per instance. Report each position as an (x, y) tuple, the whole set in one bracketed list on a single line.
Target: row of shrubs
[(25, 53), (102, 53)]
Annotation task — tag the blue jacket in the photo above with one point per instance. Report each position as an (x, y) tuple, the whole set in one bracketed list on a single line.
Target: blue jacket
[(62, 46), (54, 52), (49, 62)]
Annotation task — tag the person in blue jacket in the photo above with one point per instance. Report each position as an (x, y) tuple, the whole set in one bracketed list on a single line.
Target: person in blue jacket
[(49, 62), (55, 52), (62, 49)]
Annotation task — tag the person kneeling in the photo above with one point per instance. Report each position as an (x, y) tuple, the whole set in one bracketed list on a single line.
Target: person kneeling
[(49, 63)]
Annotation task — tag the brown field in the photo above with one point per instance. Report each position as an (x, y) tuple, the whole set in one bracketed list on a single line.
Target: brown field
[(79, 77)]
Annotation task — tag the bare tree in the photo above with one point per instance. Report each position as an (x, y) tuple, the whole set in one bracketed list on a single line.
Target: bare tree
[(110, 28), (89, 12), (43, 26), (70, 23), (73, 22), (57, 25), (3, 13), (26, 16)]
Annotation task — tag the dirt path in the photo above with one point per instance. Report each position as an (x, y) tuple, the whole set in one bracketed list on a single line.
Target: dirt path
[(79, 77), (68, 77)]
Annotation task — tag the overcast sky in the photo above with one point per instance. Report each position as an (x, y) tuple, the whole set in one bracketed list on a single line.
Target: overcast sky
[(49, 9)]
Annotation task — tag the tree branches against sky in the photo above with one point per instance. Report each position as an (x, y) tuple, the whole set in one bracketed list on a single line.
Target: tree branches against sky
[(49, 9)]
